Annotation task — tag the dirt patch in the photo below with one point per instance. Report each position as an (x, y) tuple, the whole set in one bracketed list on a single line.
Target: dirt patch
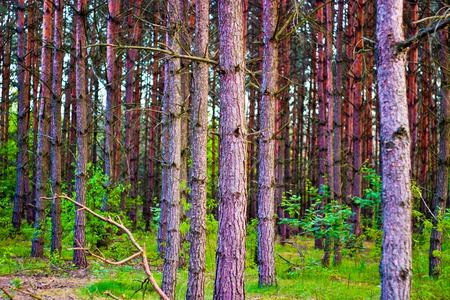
[(46, 287)]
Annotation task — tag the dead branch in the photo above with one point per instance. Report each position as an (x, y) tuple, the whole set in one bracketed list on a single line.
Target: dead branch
[(6, 293), (29, 293), (141, 249), (298, 250), (405, 44), (108, 294)]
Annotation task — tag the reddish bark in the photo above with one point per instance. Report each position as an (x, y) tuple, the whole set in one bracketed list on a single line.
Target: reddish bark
[(22, 118), (55, 126), (440, 205), (112, 98), (79, 255), (37, 247), (328, 87), (337, 128), (6, 81), (357, 118), (133, 108)]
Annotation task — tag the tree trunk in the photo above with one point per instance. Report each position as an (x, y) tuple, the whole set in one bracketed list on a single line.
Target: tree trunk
[(171, 151), (198, 176), (23, 100), (396, 269), (111, 98), (357, 120), (55, 146), (437, 236), (133, 109), (37, 247), (232, 193), (266, 179), (337, 128), (79, 255)]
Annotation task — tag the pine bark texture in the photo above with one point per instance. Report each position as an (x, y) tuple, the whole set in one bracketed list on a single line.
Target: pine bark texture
[(55, 127), (232, 187), (266, 180), (37, 247), (198, 175), (357, 118), (171, 151), (112, 87), (79, 255), (396, 269), (437, 235), (22, 119)]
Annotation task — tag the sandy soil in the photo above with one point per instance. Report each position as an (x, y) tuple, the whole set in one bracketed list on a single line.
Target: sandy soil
[(46, 287)]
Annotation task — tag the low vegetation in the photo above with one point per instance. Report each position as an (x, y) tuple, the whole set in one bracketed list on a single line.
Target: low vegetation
[(299, 270)]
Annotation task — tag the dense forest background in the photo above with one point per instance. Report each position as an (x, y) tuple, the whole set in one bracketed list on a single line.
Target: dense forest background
[(175, 117)]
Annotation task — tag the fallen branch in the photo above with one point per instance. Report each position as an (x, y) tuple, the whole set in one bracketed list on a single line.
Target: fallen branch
[(6, 293), (108, 294), (298, 250), (28, 293), (141, 249)]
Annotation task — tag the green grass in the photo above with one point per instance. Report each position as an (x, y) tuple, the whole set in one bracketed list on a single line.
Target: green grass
[(356, 278)]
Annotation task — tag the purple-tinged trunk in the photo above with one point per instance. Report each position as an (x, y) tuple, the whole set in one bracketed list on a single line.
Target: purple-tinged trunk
[(396, 268), (266, 179)]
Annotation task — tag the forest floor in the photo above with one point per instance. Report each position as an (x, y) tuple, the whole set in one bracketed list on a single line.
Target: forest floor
[(298, 277)]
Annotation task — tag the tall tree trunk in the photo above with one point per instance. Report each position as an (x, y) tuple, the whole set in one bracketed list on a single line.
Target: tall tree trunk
[(232, 194), (133, 108), (357, 119), (171, 150), (266, 179), (55, 146), (37, 247), (337, 128), (6, 81), (322, 110), (79, 255), (328, 86), (112, 86), (30, 211), (23, 100), (441, 198), (396, 269), (198, 176), (152, 145)]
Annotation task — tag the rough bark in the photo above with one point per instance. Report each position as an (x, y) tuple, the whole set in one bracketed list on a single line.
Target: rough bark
[(132, 108), (79, 255), (437, 236), (357, 118), (232, 194), (337, 128), (395, 269), (23, 100), (266, 179), (37, 247), (6, 82), (328, 87), (171, 150), (55, 146), (198, 175), (111, 98)]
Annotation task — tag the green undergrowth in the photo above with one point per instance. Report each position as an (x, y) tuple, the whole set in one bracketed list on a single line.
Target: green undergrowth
[(299, 278)]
